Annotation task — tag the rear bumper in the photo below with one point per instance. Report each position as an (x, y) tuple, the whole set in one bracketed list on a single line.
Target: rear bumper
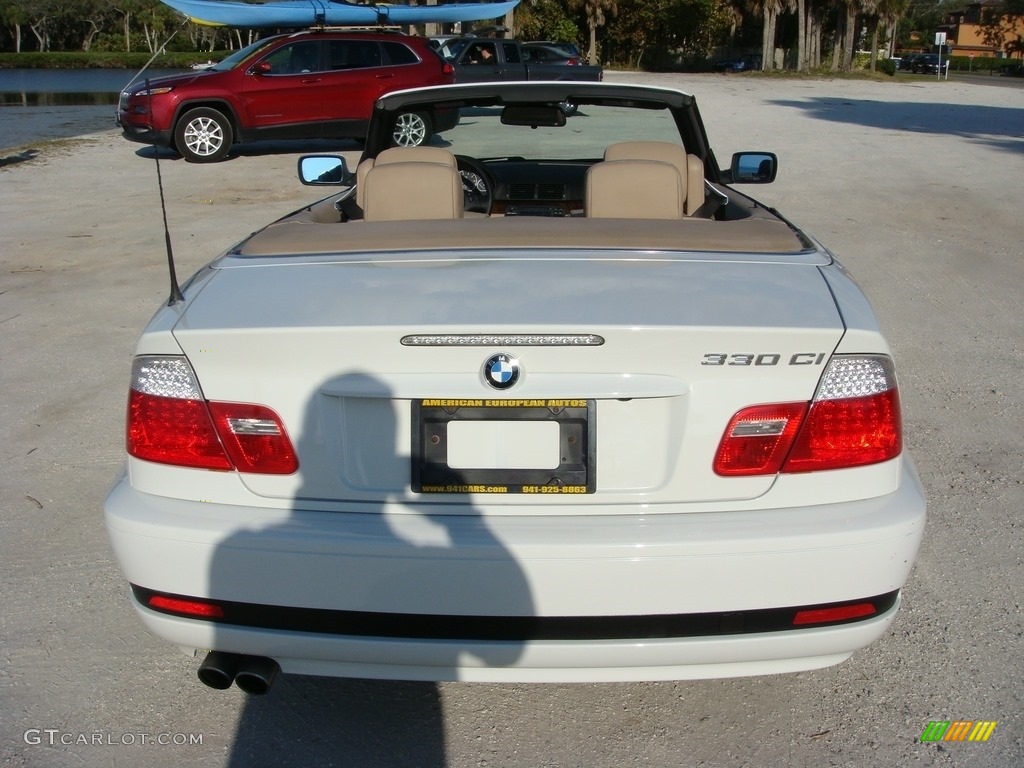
[(548, 661), (630, 564)]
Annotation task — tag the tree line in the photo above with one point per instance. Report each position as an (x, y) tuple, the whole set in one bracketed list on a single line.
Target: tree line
[(655, 34)]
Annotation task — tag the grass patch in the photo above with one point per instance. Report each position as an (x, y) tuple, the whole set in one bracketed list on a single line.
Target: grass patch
[(104, 60), (821, 73)]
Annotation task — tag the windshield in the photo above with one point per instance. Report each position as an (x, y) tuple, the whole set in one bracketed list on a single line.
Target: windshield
[(232, 61), (482, 134), (450, 49)]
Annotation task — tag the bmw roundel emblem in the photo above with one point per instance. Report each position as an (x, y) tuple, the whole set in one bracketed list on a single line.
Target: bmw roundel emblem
[(501, 371)]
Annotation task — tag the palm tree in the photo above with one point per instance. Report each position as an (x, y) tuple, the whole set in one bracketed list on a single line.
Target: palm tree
[(801, 35), (597, 12), (846, 35)]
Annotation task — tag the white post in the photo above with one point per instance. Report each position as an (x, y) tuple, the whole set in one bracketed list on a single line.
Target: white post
[(940, 41)]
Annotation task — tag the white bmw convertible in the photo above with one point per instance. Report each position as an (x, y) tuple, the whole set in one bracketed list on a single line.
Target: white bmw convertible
[(547, 400)]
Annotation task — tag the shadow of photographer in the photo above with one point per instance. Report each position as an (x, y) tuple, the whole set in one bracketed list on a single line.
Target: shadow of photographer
[(359, 545)]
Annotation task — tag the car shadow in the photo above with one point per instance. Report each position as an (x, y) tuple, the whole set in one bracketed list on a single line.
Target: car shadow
[(388, 559), (316, 721), (150, 152), (996, 127), (264, 148)]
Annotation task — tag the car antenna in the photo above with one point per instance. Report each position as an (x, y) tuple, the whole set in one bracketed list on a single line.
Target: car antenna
[(175, 296), (161, 49)]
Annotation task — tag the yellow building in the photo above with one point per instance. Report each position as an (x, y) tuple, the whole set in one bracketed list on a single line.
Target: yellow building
[(984, 29)]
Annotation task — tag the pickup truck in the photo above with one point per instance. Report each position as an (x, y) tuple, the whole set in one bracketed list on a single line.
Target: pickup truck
[(488, 59)]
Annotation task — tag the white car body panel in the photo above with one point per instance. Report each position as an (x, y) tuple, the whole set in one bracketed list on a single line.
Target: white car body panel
[(569, 564), (246, 344)]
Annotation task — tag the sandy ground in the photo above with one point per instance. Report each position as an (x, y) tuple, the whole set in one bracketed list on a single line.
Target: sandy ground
[(918, 189)]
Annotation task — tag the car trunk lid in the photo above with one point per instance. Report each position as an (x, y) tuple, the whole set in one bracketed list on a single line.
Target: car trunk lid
[(349, 350)]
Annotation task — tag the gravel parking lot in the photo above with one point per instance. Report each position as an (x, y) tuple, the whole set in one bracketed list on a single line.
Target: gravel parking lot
[(916, 186)]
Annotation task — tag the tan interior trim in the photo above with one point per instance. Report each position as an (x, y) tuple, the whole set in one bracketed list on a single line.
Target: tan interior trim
[(299, 236)]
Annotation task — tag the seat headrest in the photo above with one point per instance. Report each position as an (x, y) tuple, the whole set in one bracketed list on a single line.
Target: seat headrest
[(405, 191), (416, 155), (634, 189), (435, 155), (690, 167)]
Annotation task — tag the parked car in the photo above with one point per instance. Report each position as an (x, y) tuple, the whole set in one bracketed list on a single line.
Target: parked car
[(745, 63), (486, 59), (538, 53), (570, 49), (318, 84), (552, 402), (905, 60), (926, 64)]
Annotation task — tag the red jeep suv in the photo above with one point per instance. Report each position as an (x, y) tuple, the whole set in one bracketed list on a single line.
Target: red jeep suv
[(315, 84)]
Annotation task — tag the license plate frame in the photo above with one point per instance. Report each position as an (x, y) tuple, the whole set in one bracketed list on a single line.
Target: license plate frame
[(575, 474)]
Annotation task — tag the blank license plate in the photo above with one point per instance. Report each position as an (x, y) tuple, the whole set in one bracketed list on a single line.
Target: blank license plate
[(541, 446)]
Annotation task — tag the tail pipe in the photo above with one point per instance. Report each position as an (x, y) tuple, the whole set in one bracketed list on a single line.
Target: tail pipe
[(256, 674), (218, 669), (253, 674)]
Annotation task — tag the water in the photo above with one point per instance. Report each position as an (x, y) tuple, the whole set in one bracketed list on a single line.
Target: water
[(41, 104), (68, 87)]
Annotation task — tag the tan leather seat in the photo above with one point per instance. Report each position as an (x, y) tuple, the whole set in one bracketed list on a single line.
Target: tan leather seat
[(401, 155), (411, 191), (634, 189), (690, 167)]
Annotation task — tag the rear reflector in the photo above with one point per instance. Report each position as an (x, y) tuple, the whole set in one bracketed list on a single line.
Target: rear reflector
[(854, 420), (185, 607), (833, 614)]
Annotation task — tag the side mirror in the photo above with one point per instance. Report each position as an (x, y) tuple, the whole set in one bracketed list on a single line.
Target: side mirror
[(261, 68), (324, 171), (754, 168)]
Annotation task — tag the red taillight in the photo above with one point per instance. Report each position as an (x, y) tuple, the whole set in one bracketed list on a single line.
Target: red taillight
[(169, 422), (833, 613), (447, 69), (186, 607), (848, 433), (171, 430), (853, 421), (572, 62), (758, 438), (254, 438)]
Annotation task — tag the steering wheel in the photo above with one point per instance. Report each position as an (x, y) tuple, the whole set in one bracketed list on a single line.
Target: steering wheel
[(477, 184)]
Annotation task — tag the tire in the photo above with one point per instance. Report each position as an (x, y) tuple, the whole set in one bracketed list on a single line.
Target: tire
[(412, 129), (203, 135)]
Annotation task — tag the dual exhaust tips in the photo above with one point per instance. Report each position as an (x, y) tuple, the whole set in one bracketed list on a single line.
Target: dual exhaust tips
[(253, 674)]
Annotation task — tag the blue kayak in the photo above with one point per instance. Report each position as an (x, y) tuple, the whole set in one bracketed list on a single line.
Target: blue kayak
[(309, 13)]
